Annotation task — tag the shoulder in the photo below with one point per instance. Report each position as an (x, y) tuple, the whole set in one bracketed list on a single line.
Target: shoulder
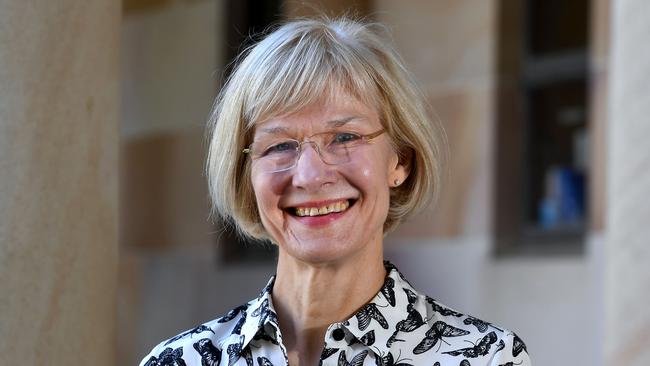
[(470, 338), (199, 342), (454, 337), (422, 329)]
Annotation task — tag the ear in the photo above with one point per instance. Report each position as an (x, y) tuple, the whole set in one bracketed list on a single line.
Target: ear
[(400, 168)]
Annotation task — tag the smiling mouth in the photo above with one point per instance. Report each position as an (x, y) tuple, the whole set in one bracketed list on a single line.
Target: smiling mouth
[(335, 207)]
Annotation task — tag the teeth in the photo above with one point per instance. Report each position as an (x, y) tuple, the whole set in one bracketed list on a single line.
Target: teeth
[(324, 210)]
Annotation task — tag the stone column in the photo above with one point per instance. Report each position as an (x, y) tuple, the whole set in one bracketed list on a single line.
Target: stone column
[(59, 106), (627, 332)]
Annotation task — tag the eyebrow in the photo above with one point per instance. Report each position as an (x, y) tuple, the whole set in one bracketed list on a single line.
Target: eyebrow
[(278, 130), (274, 130), (342, 121)]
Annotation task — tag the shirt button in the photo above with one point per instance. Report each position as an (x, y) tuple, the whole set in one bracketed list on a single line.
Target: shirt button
[(338, 334)]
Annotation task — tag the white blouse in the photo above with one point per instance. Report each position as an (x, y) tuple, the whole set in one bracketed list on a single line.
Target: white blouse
[(398, 327)]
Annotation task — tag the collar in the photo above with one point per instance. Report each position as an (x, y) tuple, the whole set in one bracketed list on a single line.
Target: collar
[(259, 319), (390, 306)]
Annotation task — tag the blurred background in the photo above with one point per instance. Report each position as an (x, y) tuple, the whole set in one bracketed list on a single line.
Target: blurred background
[(541, 225)]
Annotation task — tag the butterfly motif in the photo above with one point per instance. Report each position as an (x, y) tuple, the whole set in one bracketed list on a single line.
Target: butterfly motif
[(518, 346), (232, 314), (388, 291), (438, 331), (234, 351), (510, 363), (389, 361), (464, 363), (197, 330), (210, 355), (501, 345), (246, 353), (436, 363), (441, 309), (168, 357), (411, 297), (478, 323), (264, 311), (263, 361), (412, 322), (265, 337), (240, 323), (367, 339), (328, 352), (356, 360), (369, 312), (480, 349)]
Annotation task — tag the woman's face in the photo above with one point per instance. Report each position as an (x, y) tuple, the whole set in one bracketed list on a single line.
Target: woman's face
[(287, 199)]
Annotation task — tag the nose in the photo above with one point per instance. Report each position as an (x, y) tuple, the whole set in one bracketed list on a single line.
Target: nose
[(310, 171)]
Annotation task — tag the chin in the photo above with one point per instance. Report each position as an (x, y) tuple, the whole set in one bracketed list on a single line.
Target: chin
[(321, 251), (317, 253)]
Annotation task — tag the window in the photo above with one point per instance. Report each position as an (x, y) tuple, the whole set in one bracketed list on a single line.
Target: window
[(542, 127)]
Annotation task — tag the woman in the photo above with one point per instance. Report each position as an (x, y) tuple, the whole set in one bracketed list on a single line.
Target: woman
[(320, 144)]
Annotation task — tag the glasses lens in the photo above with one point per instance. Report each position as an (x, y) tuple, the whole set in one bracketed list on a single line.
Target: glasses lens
[(277, 156), (336, 147)]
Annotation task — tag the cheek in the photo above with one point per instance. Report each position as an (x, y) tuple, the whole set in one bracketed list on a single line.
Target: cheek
[(370, 180), (268, 189), (372, 170), (366, 172)]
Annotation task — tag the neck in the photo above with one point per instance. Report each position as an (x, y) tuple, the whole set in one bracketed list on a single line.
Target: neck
[(309, 297)]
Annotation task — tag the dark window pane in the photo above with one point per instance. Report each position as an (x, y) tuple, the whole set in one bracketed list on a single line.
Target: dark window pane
[(557, 25), (557, 153)]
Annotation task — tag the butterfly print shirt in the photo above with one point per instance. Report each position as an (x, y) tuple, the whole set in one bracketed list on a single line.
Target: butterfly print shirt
[(398, 327)]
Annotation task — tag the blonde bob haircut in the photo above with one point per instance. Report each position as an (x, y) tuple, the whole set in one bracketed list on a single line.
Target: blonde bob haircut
[(300, 63)]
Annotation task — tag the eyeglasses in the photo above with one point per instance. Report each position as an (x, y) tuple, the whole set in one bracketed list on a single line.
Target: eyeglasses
[(334, 148)]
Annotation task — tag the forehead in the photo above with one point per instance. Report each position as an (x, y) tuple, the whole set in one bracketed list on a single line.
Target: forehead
[(327, 113)]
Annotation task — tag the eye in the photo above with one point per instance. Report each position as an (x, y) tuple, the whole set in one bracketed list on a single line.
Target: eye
[(345, 137), (281, 147)]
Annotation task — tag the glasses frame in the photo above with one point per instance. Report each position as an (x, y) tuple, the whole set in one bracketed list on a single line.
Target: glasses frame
[(365, 139)]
